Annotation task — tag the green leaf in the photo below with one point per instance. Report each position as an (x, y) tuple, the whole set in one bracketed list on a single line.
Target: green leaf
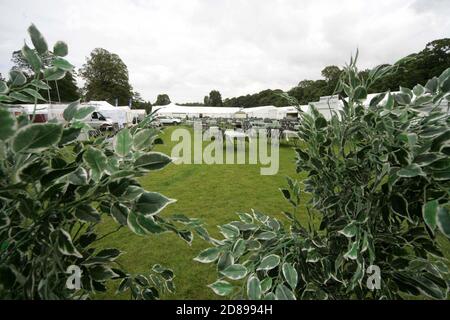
[(39, 84), (123, 142), (21, 97), (70, 110), (229, 231), (65, 245), (96, 160), (320, 123), (143, 139), (238, 248), (253, 288), (60, 49), (418, 90), (54, 74), (360, 93), (425, 159), (86, 213), (149, 225), (79, 177), (32, 58), (402, 98), (443, 221), (101, 272), (267, 235), (284, 293), (152, 161), (34, 93), (38, 40), (235, 272), (69, 135), (377, 99), (83, 112), (208, 255), (225, 260), (3, 87), (432, 85), (429, 212), (221, 288), (36, 137), (62, 64), (119, 212), (151, 203), (266, 284), (17, 78), (290, 274), (410, 171), (7, 124), (269, 262), (352, 253), (350, 230), (133, 224)]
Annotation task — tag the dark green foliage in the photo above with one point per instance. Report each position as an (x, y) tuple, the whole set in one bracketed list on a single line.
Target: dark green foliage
[(56, 187), (379, 177), (162, 100), (65, 90), (215, 99), (106, 77)]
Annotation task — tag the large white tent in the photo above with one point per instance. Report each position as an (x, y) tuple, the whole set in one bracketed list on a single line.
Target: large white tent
[(327, 105), (176, 111), (264, 112)]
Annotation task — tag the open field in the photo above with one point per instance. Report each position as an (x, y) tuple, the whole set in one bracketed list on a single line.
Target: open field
[(212, 193)]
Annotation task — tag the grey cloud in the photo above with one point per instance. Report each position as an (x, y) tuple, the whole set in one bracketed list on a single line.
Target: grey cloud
[(187, 48)]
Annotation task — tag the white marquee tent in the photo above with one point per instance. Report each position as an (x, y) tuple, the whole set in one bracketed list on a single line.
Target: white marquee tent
[(264, 112), (173, 110)]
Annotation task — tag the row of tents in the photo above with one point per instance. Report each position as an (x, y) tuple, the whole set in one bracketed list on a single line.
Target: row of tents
[(122, 115), (326, 105)]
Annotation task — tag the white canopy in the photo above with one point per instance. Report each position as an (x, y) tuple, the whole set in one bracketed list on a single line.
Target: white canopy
[(264, 112), (176, 111)]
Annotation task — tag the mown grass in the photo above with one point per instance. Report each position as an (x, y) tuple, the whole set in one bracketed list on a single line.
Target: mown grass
[(213, 193)]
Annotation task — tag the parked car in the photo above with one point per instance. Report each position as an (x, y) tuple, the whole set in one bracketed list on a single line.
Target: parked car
[(166, 120), (99, 122)]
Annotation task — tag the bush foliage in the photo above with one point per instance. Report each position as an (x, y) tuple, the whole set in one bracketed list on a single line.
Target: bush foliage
[(379, 176), (56, 187)]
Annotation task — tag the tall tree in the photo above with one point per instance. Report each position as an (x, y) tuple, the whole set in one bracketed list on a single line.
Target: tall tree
[(162, 100), (64, 90), (215, 98), (106, 77), (140, 103), (206, 101)]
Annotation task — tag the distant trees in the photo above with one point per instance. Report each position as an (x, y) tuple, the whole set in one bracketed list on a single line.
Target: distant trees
[(65, 90), (426, 64), (139, 103), (215, 99), (106, 77), (162, 100), (206, 100)]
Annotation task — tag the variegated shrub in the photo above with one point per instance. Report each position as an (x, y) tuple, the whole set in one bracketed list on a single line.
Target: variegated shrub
[(379, 179)]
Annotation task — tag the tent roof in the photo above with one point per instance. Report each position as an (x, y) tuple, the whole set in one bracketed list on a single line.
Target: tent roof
[(173, 108)]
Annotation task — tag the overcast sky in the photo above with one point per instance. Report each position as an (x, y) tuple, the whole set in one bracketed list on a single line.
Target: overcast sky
[(186, 48)]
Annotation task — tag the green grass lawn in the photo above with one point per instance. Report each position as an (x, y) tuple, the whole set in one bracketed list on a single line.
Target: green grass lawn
[(213, 193)]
